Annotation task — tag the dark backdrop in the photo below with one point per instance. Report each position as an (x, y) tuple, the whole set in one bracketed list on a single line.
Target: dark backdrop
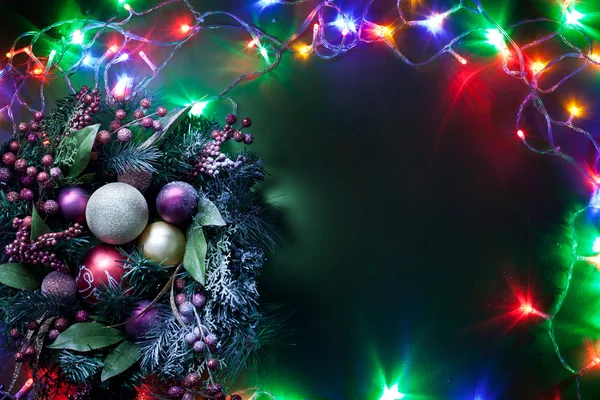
[(413, 210)]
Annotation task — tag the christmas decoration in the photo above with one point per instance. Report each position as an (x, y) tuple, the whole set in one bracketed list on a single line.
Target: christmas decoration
[(102, 266), (72, 202), (177, 203), (163, 243), (107, 319), (117, 213), (59, 283), (141, 320)]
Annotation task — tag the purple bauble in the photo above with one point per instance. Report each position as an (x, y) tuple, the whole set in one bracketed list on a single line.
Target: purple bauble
[(177, 203), (142, 324), (72, 202)]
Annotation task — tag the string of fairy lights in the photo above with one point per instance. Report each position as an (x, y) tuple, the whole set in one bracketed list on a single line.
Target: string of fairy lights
[(324, 37)]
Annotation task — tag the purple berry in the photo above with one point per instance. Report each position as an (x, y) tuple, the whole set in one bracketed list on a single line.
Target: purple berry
[(161, 111), (147, 122), (138, 114), (14, 333), (38, 116), (31, 171), (55, 173), (5, 174), (61, 323), (53, 335), (248, 139), (145, 103), (124, 135), (186, 308), (23, 127), (231, 119), (247, 122), (25, 194), (50, 207), (210, 340), (212, 364), (190, 338), (82, 316), (180, 299), (175, 392), (120, 115), (156, 125), (198, 300), (199, 346)]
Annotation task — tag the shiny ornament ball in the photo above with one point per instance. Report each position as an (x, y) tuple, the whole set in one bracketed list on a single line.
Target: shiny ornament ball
[(177, 202), (60, 284), (72, 202), (145, 103), (161, 111), (117, 213), (142, 323), (163, 243), (101, 267), (247, 122), (51, 207), (139, 179), (124, 135)]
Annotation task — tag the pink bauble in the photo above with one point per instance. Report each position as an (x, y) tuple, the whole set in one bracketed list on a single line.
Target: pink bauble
[(72, 202), (101, 267), (142, 323)]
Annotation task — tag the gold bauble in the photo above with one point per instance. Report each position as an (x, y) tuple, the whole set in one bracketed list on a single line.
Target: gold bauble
[(162, 242)]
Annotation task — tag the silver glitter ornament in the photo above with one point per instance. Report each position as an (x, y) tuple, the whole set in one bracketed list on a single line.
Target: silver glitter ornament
[(117, 213), (60, 284), (139, 179)]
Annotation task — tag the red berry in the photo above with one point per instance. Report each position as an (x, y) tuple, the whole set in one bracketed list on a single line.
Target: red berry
[(9, 159)]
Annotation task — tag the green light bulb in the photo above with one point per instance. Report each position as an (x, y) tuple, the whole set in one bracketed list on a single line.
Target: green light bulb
[(198, 108), (391, 393)]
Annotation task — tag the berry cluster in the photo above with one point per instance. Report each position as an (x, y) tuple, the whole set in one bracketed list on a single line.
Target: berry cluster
[(23, 249), (211, 158), (121, 128), (82, 393), (88, 105)]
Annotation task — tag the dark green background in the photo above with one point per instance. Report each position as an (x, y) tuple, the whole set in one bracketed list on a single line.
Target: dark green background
[(413, 210)]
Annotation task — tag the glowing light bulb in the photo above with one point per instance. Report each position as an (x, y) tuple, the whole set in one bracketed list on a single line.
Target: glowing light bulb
[(88, 60), (264, 54), (127, 7), (304, 50), (382, 31), (521, 134), (185, 28), (596, 245), (527, 308), (122, 86), (391, 393), (265, 3), (9, 55), (198, 108), (37, 71), (537, 67), (496, 39), (345, 24), (113, 48), (251, 44), (77, 37), (575, 110), (572, 17), (434, 23)]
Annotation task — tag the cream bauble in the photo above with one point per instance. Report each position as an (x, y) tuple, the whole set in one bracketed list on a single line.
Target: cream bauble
[(117, 213), (164, 243)]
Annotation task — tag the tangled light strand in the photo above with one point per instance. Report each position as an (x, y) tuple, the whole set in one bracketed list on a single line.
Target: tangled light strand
[(316, 26)]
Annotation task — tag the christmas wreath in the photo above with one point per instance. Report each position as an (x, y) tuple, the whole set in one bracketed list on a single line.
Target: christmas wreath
[(133, 242)]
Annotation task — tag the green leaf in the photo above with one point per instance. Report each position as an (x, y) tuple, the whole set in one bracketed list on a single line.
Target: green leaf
[(81, 142), (208, 214), (87, 336), (19, 276), (195, 253), (121, 358), (169, 124), (38, 226)]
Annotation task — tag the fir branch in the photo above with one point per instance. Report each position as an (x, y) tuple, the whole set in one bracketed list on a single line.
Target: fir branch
[(80, 367), (8, 212), (72, 252), (58, 121), (32, 306), (115, 303), (164, 350), (119, 157), (144, 276)]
